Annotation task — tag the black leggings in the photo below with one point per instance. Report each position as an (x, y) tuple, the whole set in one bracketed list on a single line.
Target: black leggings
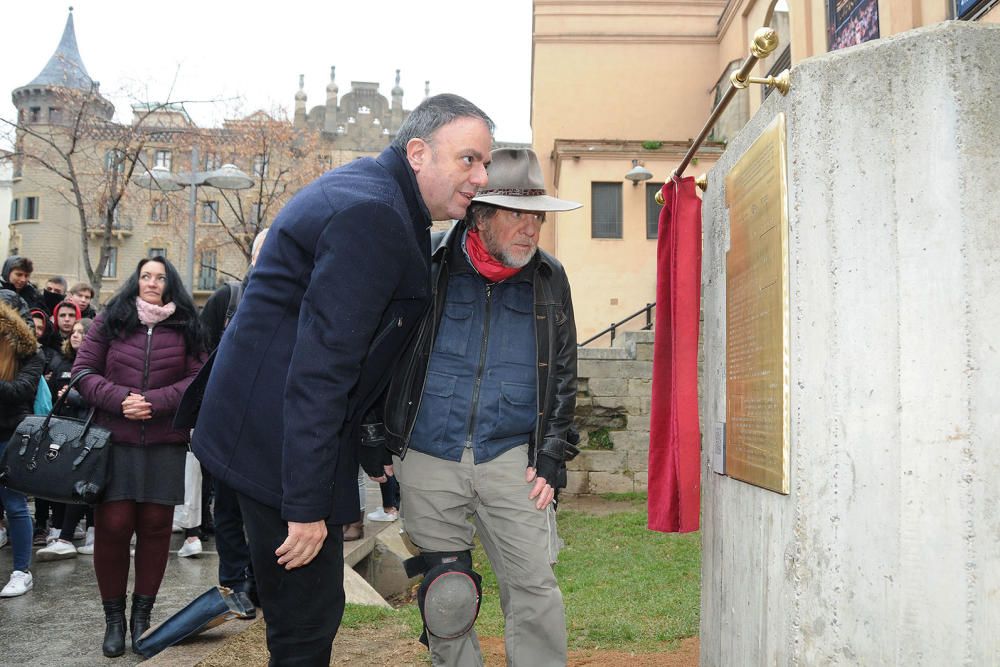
[(71, 517)]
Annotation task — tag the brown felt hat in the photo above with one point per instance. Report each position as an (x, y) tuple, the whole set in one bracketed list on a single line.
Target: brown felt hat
[(516, 183)]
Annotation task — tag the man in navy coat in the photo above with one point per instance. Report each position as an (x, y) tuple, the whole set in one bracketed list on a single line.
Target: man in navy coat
[(336, 292)]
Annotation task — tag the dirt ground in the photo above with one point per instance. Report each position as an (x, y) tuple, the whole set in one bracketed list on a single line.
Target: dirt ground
[(393, 646), (390, 646)]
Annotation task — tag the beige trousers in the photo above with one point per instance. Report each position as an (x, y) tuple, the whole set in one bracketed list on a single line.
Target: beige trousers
[(443, 504)]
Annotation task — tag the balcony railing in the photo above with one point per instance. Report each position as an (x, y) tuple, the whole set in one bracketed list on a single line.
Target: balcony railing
[(613, 329)]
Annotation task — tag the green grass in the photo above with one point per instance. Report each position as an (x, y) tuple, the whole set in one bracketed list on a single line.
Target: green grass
[(599, 439), (634, 497), (356, 615), (625, 588)]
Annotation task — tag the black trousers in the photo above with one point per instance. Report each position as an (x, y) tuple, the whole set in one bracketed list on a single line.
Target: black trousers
[(302, 607)]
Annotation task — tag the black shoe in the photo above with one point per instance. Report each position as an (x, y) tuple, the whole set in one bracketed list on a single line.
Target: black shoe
[(250, 609), (142, 609), (114, 632)]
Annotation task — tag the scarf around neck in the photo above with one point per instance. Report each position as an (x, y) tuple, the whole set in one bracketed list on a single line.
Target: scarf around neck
[(150, 314), (488, 267)]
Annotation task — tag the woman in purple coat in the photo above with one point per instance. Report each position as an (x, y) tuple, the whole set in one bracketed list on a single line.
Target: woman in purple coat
[(145, 348)]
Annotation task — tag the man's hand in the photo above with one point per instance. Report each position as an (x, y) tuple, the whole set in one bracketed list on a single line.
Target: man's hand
[(542, 489), (302, 544)]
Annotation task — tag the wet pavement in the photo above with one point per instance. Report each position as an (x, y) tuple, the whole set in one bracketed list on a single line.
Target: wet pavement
[(60, 622)]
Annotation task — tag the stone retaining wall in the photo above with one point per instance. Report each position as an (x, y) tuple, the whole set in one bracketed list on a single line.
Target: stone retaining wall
[(613, 397)]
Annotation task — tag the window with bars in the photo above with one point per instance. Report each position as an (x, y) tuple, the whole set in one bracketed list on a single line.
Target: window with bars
[(212, 161), (606, 210), (652, 210), (160, 211), (162, 158), (210, 212), (260, 166), (207, 262), (30, 210), (111, 268), (157, 252), (15, 210), (114, 159)]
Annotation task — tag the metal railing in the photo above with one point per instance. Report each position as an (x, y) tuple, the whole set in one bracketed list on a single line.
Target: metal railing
[(648, 310)]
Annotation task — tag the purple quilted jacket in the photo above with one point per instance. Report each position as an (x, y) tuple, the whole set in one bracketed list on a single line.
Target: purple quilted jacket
[(152, 362)]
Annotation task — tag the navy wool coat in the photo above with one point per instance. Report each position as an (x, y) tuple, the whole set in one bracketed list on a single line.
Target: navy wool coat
[(341, 281)]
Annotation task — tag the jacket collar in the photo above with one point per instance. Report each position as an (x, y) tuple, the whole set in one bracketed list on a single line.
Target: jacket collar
[(394, 161)]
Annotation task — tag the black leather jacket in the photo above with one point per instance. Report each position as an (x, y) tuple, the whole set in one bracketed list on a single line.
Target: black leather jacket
[(555, 336)]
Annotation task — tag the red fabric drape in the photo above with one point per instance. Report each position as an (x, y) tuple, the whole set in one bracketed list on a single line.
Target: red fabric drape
[(674, 439)]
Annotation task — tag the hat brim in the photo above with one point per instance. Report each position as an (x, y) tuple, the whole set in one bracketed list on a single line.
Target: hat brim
[(532, 203)]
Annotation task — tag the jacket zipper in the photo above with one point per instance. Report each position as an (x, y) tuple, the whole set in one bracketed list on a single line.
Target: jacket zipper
[(395, 324), (145, 380), (482, 363)]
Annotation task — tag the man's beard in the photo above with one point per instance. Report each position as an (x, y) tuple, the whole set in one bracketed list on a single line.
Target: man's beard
[(509, 258)]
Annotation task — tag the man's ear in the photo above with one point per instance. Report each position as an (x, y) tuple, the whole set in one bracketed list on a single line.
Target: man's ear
[(418, 153)]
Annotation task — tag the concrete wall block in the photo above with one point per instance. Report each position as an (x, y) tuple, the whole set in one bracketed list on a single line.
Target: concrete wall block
[(640, 388), (608, 387), (644, 352), (624, 403), (635, 370), (601, 460), (597, 368), (638, 423), (640, 481), (631, 441), (610, 482), (636, 460), (613, 353), (577, 482)]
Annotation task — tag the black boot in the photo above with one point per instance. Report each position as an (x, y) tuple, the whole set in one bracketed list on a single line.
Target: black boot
[(114, 633), (142, 607)]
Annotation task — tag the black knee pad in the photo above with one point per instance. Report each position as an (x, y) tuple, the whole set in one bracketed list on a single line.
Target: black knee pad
[(450, 594)]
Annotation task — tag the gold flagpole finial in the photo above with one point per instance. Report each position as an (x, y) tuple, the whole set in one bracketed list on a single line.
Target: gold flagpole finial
[(765, 41)]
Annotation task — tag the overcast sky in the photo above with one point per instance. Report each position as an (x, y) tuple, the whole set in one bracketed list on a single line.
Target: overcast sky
[(223, 57)]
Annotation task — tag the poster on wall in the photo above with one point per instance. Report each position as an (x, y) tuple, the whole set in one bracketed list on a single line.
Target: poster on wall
[(851, 22)]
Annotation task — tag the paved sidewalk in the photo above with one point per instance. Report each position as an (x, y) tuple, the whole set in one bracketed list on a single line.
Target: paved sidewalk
[(60, 623)]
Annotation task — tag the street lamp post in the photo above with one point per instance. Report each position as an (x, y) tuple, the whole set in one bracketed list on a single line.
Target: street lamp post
[(226, 177)]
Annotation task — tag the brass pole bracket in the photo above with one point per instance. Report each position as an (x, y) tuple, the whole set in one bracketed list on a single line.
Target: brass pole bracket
[(781, 83), (701, 182)]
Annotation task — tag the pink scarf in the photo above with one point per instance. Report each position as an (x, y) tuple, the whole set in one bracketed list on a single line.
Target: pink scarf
[(150, 314)]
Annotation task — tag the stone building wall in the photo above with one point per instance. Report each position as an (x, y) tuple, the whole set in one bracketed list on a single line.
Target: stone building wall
[(612, 415)]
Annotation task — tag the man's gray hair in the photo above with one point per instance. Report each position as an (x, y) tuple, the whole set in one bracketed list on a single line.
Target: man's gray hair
[(436, 112)]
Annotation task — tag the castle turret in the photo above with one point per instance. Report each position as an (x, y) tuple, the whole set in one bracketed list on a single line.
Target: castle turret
[(300, 103), (330, 119), (63, 79)]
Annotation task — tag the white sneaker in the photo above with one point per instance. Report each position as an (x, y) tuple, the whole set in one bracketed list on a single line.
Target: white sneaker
[(190, 548), (53, 535), (88, 543), (19, 584), (3, 537), (79, 533), (58, 550), (381, 515)]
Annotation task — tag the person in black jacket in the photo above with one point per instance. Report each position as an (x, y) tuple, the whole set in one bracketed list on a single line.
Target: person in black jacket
[(335, 293), (20, 372), (16, 277), (72, 406), (478, 413)]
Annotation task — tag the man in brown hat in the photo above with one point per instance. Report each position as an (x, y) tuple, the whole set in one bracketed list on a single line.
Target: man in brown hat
[(478, 412)]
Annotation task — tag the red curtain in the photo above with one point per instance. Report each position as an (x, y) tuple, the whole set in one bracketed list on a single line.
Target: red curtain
[(674, 439)]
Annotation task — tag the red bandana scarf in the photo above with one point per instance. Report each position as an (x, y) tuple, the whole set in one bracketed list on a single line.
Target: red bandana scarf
[(488, 267)]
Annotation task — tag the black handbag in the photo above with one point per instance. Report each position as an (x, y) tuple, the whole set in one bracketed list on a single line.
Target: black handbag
[(62, 459)]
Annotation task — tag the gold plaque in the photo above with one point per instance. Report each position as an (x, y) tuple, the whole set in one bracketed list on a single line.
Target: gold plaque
[(757, 392)]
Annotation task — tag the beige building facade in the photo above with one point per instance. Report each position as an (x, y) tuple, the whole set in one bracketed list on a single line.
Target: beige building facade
[(616, 82), (280, 156)]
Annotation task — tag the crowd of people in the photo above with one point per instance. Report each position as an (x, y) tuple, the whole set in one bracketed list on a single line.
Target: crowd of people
[(360, 345)]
